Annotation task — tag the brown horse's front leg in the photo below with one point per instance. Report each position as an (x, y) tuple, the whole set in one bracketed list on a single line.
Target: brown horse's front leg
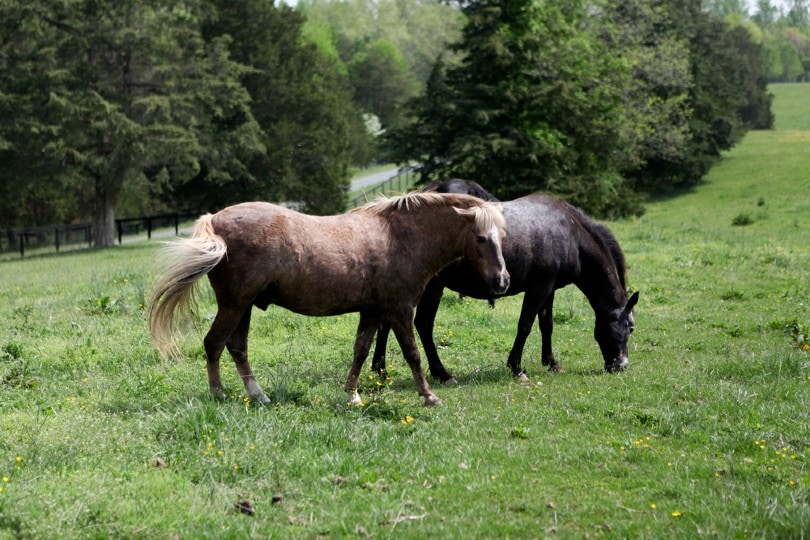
[(403, 330), (362, 344)]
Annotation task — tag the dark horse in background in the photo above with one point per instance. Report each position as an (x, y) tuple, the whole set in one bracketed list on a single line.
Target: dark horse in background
[(549, 244), (375, 260)]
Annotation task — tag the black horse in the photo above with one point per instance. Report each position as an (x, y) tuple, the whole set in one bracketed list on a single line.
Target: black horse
[(549, 244), (465, 187)]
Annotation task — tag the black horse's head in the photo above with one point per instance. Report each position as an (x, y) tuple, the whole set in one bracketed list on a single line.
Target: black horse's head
[(612, 331)]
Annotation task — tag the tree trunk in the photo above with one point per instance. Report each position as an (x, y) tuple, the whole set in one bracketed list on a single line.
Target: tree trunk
[(104, 221)]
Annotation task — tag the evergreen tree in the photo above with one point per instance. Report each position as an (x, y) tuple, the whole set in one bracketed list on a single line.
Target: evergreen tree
[(126, 90), (535, 105)]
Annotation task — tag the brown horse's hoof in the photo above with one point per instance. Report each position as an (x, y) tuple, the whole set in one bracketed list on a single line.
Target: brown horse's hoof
[(450, 382), (261, 399), (432, 400), (354, 399)]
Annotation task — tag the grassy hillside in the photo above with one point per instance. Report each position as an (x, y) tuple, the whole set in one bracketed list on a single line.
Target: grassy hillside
[(706, 434)]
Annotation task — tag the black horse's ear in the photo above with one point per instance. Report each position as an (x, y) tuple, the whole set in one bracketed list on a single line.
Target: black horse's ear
[(631, 303)]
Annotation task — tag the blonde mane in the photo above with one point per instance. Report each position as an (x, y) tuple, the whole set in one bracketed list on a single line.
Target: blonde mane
[(487, 214)]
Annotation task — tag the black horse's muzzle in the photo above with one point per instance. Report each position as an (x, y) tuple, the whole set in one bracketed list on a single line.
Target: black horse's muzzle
[(617, 364)]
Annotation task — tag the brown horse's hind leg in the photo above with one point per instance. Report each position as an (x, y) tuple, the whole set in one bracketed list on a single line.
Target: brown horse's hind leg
[(403, 329), (238, 347), (362, 345), (224, 325)]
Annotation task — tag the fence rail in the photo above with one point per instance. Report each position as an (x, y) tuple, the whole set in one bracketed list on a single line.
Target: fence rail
[(61, 236), (400, 183)]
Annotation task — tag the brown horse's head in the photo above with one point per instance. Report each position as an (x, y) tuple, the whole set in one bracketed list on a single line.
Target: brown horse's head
[(484, 243)]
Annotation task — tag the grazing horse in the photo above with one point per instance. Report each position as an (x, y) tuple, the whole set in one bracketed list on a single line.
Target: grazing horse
[(549, 244), (375, 260)]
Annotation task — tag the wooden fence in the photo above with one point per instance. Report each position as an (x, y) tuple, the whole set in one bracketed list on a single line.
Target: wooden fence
[(57, 237)]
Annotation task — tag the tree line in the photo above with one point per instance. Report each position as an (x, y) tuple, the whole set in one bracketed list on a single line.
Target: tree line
[(136, 107)]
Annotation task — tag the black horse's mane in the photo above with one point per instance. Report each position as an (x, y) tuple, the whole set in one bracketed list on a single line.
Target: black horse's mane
[(604, 235), (457, 185)]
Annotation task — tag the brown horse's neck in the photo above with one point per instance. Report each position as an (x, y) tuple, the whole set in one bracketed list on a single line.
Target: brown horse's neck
[(440, 239)]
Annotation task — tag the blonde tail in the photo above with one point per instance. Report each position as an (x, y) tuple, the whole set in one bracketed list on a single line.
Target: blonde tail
[(187, 260)]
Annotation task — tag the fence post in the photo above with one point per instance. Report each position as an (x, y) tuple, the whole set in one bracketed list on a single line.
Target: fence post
[(148, 228), (56, 238), (176, 224), (22, 244)]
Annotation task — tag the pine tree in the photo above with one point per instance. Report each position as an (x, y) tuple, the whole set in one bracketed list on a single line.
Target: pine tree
[(127, 89), (533, 106)]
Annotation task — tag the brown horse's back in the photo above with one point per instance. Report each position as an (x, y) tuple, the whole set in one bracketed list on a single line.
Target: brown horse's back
[(310, 265)]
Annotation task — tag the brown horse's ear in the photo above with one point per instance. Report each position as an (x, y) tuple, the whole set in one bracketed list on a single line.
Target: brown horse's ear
[(468, 213), (631, 303)]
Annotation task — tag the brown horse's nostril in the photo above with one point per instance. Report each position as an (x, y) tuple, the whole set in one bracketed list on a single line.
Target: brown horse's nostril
[(500, 284)]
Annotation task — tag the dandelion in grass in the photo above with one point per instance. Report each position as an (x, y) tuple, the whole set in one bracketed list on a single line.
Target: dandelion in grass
[(676, 514), (653, 506), (407, 420), (6, 479), (19, 459)]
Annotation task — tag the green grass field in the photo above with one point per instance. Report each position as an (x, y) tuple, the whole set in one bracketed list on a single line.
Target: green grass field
[(707, 434)]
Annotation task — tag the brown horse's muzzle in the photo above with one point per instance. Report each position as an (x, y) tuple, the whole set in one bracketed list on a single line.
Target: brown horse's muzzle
[(499, 283)]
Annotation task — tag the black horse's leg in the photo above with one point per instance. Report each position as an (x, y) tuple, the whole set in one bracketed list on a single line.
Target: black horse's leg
[(532, 301), (546, 323), (225, 323), (238, 347), (424, 322), (369, 322), (378, 360), (403, 330)]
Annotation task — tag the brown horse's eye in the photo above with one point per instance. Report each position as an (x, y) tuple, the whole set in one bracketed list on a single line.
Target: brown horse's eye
[(481, 239)]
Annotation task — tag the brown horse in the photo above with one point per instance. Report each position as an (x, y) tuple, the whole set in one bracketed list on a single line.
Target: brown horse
[(375, 260)]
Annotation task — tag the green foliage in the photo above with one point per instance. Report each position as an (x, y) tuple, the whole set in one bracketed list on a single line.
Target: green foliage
[(594, 102), (379, 76), (310, 128), (742, 219), (126, 90), (535, 104), (386, 47)]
